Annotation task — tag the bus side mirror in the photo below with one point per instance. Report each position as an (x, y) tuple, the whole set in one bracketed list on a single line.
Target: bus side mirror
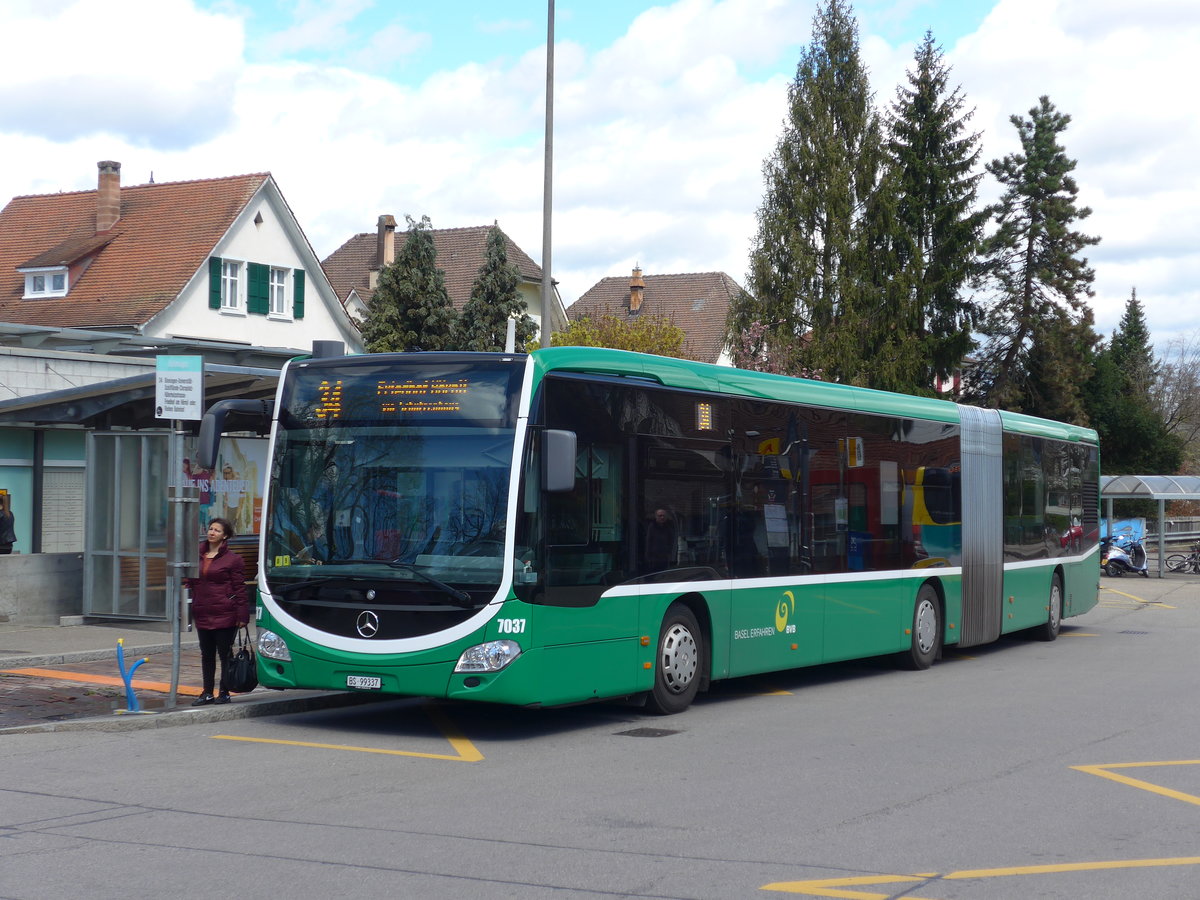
[(212, 426), (558, 460)]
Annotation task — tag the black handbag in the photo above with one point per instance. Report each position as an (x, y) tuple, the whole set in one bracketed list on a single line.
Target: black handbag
[(243, 666)]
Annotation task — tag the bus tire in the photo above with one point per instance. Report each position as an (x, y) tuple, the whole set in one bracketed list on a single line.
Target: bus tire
[(678, 666), (926, 630), (1049, 629)]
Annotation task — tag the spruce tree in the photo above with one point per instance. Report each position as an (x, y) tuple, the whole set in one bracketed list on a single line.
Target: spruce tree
[(933, 159), (1123, 405), (1132, 350), (410, 309), (495, 299), (1038, 281), (809, 294), (1061, 361)]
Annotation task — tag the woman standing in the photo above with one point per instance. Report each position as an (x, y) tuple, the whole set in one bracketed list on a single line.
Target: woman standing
[(219, 606)]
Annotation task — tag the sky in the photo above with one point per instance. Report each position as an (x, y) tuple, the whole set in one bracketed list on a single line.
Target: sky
[(663, 114)]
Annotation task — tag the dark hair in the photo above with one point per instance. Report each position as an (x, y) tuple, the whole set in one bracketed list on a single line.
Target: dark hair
[(225, 524)]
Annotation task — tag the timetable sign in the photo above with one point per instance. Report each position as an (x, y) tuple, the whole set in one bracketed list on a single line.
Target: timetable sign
[(179, 387)]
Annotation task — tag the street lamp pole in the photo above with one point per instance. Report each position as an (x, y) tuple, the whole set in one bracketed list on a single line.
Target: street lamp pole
[(547, 279)]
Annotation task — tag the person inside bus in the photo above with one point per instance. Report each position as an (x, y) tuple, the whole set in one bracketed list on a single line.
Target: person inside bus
[(219, 606), (660, 542), (314, 548)]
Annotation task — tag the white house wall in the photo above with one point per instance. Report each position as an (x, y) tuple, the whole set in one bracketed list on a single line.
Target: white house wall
[(268, 243)]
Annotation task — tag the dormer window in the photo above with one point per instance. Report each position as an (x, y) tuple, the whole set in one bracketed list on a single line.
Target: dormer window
[(47, 282)]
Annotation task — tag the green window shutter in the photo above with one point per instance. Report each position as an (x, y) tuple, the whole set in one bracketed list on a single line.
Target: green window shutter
[(298, 294), (214, 282), (258, 289)]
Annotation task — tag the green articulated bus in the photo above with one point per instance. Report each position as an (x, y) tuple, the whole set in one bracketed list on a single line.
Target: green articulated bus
[(581, 523)]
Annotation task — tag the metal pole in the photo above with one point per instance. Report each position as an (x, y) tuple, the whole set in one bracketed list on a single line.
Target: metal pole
[(547, 204), (174, 581), (182, 512), (1162, 538)]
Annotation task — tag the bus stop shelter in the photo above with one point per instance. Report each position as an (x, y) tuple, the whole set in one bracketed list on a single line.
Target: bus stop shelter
[(1160, 488)]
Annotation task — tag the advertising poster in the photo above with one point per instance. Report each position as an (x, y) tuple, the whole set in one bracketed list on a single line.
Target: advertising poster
[(233, 490)]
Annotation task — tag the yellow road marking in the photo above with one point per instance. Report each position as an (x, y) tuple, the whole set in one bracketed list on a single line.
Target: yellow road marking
[(766, 691), (833, 887), (112, 680), (1137, 599), (829, 887), (464, 750), (1105, 772)]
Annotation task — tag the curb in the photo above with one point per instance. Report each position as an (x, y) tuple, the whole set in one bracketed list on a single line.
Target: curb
[(246, 709), (58, 659)]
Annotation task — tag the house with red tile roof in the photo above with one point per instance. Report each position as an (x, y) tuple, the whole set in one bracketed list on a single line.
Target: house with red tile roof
[(220, 259), (698, 303), (353, 269), (95, 285)]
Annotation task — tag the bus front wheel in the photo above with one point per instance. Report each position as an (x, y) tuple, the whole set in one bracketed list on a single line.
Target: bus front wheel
[(926, 630), (678, 666)]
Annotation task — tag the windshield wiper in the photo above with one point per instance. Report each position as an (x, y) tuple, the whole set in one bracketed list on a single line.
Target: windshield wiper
[(282, 590), (461, 598)]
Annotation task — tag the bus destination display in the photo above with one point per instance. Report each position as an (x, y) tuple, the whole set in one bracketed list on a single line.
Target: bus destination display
[(410, 397)]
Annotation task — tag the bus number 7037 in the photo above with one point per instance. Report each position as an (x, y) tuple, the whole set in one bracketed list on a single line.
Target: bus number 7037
[(580, 523)]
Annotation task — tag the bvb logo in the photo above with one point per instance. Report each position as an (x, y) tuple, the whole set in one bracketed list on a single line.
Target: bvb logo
[(785, 608)]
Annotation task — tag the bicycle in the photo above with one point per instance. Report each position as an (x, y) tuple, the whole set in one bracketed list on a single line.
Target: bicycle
[(1185, 562)]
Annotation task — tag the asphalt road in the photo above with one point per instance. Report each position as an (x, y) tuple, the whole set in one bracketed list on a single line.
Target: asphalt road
[(1021, 769)]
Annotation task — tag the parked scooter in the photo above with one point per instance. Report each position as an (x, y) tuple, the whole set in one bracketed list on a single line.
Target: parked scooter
[(1123, 557)]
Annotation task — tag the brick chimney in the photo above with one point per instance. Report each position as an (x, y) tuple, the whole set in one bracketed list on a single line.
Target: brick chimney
[(386, 253), (385, 249), (108, 195), (637, 287)]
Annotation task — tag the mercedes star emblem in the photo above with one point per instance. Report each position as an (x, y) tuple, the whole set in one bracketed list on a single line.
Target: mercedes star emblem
[(368, 623)]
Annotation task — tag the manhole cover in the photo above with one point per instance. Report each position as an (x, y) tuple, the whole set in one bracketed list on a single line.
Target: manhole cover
[(647, 732), (1134, 632)]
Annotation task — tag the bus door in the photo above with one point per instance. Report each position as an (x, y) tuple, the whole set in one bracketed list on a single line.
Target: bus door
[(680, 502), (778, 604)]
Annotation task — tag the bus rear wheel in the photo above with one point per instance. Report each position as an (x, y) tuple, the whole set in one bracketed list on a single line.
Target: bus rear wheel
[(1048, 631), (678, 666), (926, 630)]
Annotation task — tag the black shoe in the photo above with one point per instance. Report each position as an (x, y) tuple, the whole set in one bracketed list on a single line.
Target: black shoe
[(222, 698), (203, 700)]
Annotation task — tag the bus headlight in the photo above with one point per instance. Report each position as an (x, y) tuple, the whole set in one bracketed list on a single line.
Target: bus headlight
[(490, 657), (272, 646)]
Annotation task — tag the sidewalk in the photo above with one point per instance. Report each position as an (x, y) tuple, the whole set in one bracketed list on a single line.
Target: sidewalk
[(66, 677)]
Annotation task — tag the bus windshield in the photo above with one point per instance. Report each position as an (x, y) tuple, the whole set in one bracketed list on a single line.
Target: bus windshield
[(396, 474)]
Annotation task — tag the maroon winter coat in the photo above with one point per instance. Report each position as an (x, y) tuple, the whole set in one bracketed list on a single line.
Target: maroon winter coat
[(219, 594)]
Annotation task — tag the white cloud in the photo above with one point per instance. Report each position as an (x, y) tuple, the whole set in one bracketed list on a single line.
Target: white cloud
[(387, 45), (316, 25), (89, 68)]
